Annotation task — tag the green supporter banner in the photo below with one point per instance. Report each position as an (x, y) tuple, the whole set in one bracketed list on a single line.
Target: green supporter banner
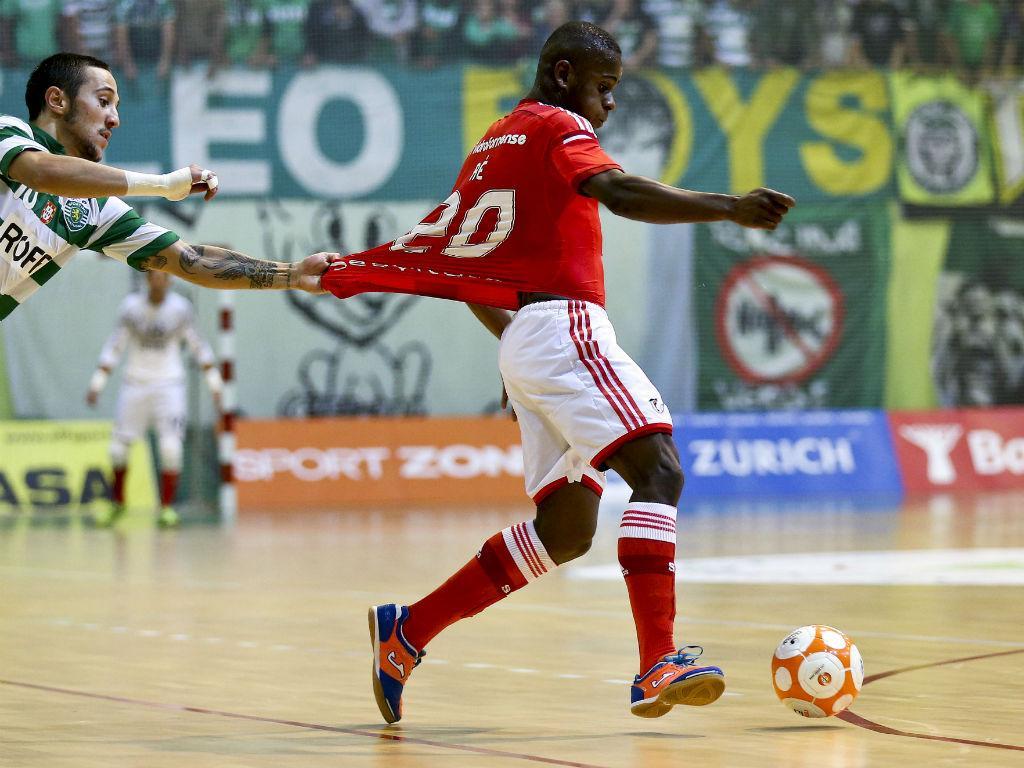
[(394, 134), (977, 349), (944, 147), (818, 137), (342, 133), (397, 134), (793, 318)]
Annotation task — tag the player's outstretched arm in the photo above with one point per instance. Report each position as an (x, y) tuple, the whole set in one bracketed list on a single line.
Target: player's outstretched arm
[(643, 199), (74, 177), (214, 267), (203, 355), (96, 384), (110, 353)]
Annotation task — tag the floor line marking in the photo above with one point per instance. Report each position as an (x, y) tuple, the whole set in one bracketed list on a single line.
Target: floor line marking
[(914, 668), (862, 722), (382, 735), (854, 719)]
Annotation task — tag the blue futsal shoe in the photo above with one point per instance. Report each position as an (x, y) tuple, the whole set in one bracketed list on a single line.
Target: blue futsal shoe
[(393, 658), (675, 680)]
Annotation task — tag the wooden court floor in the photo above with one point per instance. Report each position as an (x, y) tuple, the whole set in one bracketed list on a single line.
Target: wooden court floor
[(246, 645)]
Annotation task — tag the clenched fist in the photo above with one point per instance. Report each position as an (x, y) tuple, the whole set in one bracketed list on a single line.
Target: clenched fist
[(762, 208)]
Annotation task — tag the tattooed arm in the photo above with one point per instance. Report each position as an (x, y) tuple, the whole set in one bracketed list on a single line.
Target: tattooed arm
[(213, 267)]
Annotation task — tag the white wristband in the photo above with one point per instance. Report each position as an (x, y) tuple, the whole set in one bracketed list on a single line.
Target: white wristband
[(213, 380), (176, 185), (98, 380)]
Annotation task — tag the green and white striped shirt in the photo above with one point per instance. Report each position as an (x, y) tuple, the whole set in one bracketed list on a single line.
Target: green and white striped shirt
[(39, 233)]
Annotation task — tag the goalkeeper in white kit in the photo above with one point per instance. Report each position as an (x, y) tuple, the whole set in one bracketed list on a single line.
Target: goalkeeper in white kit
[(152, 325)]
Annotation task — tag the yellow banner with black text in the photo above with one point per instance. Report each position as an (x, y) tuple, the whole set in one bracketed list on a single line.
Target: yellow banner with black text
[(48, 464)]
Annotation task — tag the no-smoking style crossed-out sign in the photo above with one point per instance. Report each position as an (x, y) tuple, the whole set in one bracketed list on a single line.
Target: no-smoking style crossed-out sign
[(778, 319), (796, 317)]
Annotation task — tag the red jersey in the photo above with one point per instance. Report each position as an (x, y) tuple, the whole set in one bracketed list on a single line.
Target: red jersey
[(515, 221)]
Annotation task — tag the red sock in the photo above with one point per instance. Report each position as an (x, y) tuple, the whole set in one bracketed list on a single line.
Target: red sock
[(168, 487), (117, 490), (507, 561), (647, 550)]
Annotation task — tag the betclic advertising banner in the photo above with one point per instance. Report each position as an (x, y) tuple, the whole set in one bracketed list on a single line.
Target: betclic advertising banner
[(964, 450)]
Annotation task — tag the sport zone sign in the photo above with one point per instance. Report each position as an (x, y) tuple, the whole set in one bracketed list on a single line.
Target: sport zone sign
[(329, 463)]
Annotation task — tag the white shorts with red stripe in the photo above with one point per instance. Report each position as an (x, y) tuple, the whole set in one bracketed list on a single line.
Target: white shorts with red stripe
[(578, 396)]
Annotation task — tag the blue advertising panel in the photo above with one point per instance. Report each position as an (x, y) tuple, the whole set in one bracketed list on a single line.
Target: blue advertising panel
[(835, 453)]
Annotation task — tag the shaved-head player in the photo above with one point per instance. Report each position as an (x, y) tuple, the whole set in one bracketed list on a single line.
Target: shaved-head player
[(521, 232)]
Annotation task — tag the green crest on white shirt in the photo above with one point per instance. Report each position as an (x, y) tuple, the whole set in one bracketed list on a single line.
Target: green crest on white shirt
[(76, 214)]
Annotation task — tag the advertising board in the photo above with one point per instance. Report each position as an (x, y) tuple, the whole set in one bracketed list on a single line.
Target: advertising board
[(324, 463), (976, 449), (787, 454)]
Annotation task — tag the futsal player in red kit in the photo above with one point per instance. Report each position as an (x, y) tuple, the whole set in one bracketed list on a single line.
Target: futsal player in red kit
[(521, 232)]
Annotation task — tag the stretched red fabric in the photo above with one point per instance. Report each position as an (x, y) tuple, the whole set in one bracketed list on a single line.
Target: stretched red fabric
[(515, 221)]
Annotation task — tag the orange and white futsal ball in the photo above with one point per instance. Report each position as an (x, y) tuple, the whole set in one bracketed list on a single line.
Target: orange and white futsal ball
[(817, 671)]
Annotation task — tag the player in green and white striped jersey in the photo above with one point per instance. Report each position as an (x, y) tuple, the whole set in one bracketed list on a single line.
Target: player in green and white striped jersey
[(56, 198)]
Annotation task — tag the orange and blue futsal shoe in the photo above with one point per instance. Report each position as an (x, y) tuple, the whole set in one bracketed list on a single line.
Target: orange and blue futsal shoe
[(675, 680), (393, 658)]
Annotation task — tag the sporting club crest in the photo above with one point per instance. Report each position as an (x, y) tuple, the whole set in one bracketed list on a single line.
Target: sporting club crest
[(942, 147), (76, 213)]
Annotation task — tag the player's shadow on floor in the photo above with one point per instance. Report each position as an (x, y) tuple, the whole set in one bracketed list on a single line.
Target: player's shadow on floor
[(396, 730), (502, 735)]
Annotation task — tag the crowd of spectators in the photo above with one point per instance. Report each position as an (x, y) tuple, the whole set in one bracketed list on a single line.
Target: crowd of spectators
[(975, 37)]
